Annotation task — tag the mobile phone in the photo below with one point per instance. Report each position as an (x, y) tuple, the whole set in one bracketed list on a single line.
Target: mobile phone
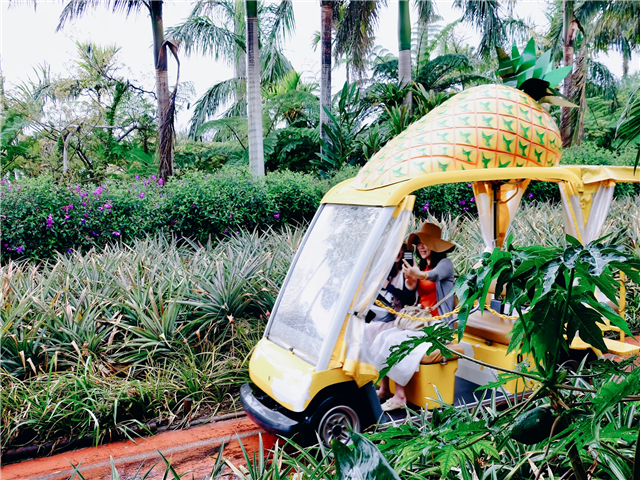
[(408, 256)]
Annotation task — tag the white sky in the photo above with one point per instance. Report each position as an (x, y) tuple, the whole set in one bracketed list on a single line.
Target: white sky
[(29, 38)]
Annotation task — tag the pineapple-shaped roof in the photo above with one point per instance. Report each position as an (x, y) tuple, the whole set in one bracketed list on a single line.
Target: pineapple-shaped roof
[(489, 126)]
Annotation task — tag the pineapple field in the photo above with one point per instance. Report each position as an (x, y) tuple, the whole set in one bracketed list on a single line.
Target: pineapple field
[(104, 343)]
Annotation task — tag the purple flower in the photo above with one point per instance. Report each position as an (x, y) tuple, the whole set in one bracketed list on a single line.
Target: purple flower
[(95, 234), (19, 249), (67, 208), (531, 195), (425, 207), (69, 250), (50, 221), (2, 182), (82, 220), (160, 181), (466, 208), (84, 204), (107, 205), (18, 187), (231, 215), (277, 215), (142, 195), (77, 189), (9, 187), (98, 191), (83, 194), (115, 234), (137, 177), (5, 245), (100, 208), (473, 199), (226, 231), (153, 177), (67, 217), (469, 185), (462, 202)]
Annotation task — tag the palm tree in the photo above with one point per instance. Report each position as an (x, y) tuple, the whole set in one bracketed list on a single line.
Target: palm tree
[(206, 31), (254, 100), (326, 16), (404, 47), (569, 31), (75, 8), (199, 33)]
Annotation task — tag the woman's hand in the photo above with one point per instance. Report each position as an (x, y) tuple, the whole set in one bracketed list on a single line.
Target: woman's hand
[(412, 272)]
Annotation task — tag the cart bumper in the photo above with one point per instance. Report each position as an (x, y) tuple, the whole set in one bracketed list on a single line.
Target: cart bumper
[(271, 420)]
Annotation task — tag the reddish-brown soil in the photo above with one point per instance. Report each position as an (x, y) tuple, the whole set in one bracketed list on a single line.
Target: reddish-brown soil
[(193, 450)]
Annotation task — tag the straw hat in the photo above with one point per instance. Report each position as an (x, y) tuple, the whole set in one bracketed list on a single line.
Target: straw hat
[(429, 234)]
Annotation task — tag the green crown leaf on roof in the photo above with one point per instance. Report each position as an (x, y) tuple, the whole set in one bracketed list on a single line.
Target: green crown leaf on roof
[(534, 75)]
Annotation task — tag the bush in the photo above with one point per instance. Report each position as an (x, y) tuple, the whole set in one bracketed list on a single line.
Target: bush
[(41, 217)]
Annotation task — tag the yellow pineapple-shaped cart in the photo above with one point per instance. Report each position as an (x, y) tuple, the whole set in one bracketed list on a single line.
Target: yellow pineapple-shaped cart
[(310, 371)]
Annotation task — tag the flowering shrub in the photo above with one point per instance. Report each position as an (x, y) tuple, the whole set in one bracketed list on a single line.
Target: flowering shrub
[(40, 217)]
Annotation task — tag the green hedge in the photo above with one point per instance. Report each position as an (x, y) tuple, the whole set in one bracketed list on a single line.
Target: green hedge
[(40, 218)]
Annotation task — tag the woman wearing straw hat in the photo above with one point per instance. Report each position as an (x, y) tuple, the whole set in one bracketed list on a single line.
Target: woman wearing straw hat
[(433, 279)]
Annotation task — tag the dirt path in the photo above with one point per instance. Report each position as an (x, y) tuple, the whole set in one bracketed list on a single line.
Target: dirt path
[(193, 450)]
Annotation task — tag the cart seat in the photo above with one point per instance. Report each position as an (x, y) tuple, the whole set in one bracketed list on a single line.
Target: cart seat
[(437, 357), (489, 326)]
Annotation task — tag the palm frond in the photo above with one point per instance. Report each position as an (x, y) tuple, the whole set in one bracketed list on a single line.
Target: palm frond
[(273, 64), (434, 73), (201, 35), (628, 130), (76, 8), (223, 129), (427, 11), (278, 19), (485, 16), (212, 102), (385, 69), (354, 34), (602, 82)]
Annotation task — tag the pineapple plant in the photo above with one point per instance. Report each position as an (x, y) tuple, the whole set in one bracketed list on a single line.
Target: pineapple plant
[(489, 126)]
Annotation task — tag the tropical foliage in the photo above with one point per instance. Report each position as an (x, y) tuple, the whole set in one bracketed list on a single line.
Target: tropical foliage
[(137, 329)]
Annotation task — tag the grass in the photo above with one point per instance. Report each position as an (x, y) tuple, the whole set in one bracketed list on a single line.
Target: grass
[(102, 342)]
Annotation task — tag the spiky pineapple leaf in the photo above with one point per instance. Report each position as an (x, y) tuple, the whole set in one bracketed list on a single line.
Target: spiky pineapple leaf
[(554, 77), (515, 55), (528, 58), (531, 74), (505, 66)]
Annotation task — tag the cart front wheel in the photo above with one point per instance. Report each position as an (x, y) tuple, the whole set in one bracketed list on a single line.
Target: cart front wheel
[(336, 423)]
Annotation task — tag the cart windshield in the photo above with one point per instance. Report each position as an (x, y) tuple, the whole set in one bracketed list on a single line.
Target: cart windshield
[(310, 296)]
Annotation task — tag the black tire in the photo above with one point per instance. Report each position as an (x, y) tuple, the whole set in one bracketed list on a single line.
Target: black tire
[(333, 420)]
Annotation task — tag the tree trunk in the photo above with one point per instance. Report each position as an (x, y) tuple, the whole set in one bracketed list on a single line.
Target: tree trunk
[(404, 44), (569, 29), (165, 131), (254, 106), (325, 62), (240, 67), (579, 95), (626, 57), (66, 136)]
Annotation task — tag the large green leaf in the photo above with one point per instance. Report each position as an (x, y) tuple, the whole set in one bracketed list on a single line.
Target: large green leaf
[(362, 462)]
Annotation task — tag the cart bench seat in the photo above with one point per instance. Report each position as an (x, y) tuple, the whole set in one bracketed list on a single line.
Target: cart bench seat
[(489, 326), (437, 357)]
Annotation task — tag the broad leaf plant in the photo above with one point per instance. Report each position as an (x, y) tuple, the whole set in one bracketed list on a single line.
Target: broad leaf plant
[(552, 290)]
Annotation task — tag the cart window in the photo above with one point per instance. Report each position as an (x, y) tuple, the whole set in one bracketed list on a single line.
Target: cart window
[(309, 298)]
